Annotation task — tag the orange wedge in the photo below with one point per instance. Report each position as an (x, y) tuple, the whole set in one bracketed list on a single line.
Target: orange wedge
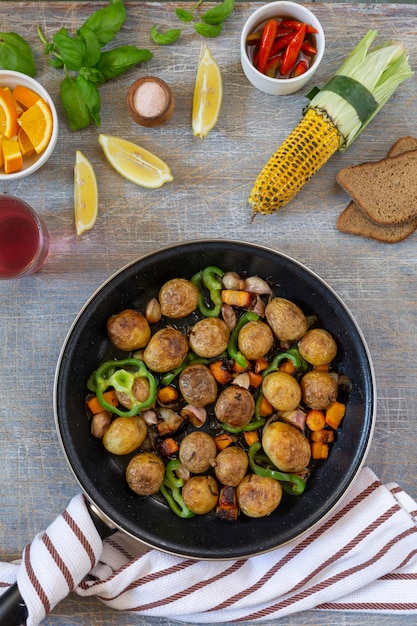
[(37, 123), (25, 96), (8, 114), (25, 144), (12, 156)]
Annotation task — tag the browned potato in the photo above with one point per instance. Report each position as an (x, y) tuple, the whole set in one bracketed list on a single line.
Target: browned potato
[(209, 337), (231, 465), (166, 350), (235, 406), (200, 494), (317, 347), (128, 330), (125, 435), (319, 389), (286, 319), (145, 473), (255, 339), (198, 385), (286, 446), (282, 391), (178, 298), (197, 452), (258, 496)]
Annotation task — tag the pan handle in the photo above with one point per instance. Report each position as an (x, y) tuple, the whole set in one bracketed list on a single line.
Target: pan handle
[(13, 610)]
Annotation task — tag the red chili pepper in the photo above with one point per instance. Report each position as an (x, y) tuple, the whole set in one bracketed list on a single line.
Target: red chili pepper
[(299, 69), (268, 36), (281, 43), (308, 48), (296, 25), (292, 51)]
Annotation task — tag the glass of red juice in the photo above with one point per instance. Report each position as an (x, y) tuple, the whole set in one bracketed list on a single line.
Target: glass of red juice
[(24, 239)]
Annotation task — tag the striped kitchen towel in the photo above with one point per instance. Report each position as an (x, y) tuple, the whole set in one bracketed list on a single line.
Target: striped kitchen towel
[(361, 557)]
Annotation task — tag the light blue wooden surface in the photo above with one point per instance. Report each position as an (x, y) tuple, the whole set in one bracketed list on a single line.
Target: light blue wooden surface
[(208, 198)]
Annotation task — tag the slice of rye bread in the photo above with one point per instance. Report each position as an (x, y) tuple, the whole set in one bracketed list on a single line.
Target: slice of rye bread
[(403, 144), (385, 190), (354, 221)]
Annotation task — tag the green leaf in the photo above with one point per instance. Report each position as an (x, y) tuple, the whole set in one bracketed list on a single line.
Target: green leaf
[(16, 54), (166, 38), (114, 62), (91, 97), (208, 30), (76, 108), (219, 13), (72, 50), (183, 15), (106, 22), (92, 46)]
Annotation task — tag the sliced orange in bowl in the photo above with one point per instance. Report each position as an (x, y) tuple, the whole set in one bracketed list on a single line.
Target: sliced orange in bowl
[(8, 114), (37, 123)]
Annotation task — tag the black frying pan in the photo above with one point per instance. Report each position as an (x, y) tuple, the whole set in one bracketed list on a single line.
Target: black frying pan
[(100, 475)]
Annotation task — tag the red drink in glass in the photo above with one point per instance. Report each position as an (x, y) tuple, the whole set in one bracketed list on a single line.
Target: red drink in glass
[(24, 239)]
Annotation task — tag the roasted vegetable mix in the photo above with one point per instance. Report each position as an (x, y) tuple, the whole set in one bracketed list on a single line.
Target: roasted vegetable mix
[(334, 118), (227, 396)]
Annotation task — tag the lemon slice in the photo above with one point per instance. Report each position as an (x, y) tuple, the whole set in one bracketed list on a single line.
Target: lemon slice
[(208, 95), (85, 194), (135, 163)]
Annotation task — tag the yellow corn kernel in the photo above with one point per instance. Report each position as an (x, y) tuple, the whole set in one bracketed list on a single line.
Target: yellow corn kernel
[(303, 153)]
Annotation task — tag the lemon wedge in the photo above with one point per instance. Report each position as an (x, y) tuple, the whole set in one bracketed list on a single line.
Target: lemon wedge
[(208, 94), (135, 163), (85, 194)]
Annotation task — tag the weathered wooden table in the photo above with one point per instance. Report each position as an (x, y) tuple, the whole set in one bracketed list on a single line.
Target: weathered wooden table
[(208, 198)]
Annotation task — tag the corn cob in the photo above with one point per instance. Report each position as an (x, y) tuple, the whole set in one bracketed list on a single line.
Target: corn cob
[(335, 117), (303, 153)]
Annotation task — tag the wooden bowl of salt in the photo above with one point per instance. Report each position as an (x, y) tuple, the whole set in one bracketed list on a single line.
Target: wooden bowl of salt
[(150, 101)]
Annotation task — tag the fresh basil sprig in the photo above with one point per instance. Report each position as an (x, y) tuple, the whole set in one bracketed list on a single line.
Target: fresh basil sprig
[(16, 54), (208, 24), (83, 54)]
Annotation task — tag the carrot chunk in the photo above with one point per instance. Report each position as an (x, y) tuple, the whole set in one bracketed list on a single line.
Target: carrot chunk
[(334, 414), (95, 406)]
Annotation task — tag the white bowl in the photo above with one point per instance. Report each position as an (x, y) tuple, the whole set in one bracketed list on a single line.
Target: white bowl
[(11, 79), (280, 86)]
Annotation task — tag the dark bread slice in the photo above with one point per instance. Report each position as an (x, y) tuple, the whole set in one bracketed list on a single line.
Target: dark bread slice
[(403, 144), (354, 221), (385, 190)]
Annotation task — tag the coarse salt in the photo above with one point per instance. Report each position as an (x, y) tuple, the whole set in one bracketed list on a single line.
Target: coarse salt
[(150, 99)]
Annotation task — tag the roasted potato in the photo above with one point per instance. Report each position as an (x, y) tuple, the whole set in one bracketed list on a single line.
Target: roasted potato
[(125, 435), (145, 473), (178, 298), (319, 389), (258, 496), (197, 452), (317, 347), (231, 465), (200, 494), (166, 350), (209, 337), (282, 391), (198, 385), (128, 330), (286, 446), (235, 406), (255, 339), (286, 319)]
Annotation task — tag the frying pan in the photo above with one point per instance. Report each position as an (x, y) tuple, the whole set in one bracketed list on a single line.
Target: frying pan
[(101, 475)]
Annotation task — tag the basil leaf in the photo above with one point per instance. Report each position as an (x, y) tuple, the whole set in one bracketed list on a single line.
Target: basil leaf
[(16, 54), (106, 22), (91, 97), (71, 49), (219, 13), (75, 107), (183, 15), (114, 62), (93, 75), (208, 30), (166, 38), (92, 46)]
